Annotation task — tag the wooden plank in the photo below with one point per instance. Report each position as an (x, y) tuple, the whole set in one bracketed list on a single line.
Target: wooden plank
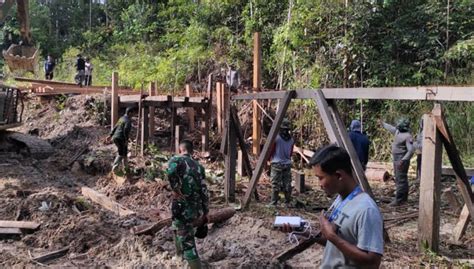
[(115, 101), (257, 84), (430, 184), (30, 225), (462, 224), (449, 171), (456, 162), (230, 161), (219, 107), (151, 119), (347, 142), (433, 93), (10, 231), (240, 164), (145, 129), (285, 102), (243, 148), (173, 126), (51, 255), (106, 202), (190, 111)]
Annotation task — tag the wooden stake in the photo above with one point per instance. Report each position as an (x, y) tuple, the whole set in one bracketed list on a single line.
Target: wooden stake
[(257, 84), (178, 133), (191, 112), (462, 224), (145, 130), (299, 181), (266, 148), (115, 101), (428, 221), (151, 124), (230, 161), (206, 122)]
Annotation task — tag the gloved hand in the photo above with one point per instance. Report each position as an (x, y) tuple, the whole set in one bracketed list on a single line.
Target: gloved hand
[(201, 231)]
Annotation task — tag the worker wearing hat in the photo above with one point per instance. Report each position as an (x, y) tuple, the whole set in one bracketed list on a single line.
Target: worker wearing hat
[(120, 135), (402, 151), (280, 156)]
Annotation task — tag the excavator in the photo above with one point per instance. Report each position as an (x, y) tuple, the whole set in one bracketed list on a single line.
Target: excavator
[(23, 56)]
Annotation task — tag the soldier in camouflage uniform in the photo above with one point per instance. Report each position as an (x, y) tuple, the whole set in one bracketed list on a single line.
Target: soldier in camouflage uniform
[(190, 201), (120, 135), (280, 156)]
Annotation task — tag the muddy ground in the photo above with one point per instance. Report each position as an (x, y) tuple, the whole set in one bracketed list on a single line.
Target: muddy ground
[(97, 237)]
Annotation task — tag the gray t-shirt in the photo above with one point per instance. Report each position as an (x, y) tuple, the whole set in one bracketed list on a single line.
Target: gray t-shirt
[(359, 223)]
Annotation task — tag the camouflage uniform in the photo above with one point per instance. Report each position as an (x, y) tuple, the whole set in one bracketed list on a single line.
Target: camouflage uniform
[(120, 135), (186, 177)]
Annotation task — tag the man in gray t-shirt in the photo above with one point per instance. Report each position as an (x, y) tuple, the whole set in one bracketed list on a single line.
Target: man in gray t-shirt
[(352, 229)]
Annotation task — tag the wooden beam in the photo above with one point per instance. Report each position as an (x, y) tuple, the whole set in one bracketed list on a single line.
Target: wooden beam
[(433, 93), (456, 162), (172, 127), (243, 148), (30, 225), (145, 129), (302, 246), (462, 224), (327, 119), (151, 119), (257, 84), (430, 184), (449, 171), (206, 119), (347, 143), (285, 102), (115, 101), (106, 202), (191, 112)]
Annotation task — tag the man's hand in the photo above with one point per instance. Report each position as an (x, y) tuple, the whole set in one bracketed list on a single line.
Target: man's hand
[(379, 122), (328, 229), (108, 140), (177, 195), (286, 228), (400, 164)]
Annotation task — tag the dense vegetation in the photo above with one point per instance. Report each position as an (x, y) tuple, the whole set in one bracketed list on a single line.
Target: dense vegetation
[(306, 44)]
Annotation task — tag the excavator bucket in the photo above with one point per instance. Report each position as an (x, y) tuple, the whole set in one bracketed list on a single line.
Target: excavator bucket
[(21, 57)]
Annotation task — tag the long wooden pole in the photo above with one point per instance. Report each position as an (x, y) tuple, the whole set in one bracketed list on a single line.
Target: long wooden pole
[(115, 100), (257, 84)]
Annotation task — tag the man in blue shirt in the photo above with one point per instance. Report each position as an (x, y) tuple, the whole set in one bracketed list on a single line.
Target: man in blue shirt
[(360, 141), (49, 68)]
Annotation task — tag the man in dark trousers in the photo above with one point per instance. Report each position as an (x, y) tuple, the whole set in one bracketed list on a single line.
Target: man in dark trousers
[(80, 68), (352, 228), (280, 156), (190, 201), (120, 135), (360, 141), (402, 151), (49, 68)]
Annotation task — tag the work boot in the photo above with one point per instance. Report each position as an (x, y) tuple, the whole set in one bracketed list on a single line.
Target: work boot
[(396, 202), (116, 163), (275, 198), (195, 264)]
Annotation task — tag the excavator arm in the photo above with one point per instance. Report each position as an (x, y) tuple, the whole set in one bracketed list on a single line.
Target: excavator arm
[(23, 17), (23, 56)]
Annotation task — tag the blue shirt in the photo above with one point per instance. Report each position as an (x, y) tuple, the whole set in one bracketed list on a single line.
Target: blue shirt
[(361, 144)]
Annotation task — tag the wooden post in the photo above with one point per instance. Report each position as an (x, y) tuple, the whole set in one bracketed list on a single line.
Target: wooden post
[(219, 107), (151, 124), (178, 134), (190, 110), (299, 181), (430, 183), (115, 101), (266, 148), (145, 130), (257, 84), (230, 160), (173, 125), (225, 102), (206, 119)]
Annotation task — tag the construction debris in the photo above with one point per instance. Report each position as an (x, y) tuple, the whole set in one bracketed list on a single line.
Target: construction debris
[(106, 202)]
